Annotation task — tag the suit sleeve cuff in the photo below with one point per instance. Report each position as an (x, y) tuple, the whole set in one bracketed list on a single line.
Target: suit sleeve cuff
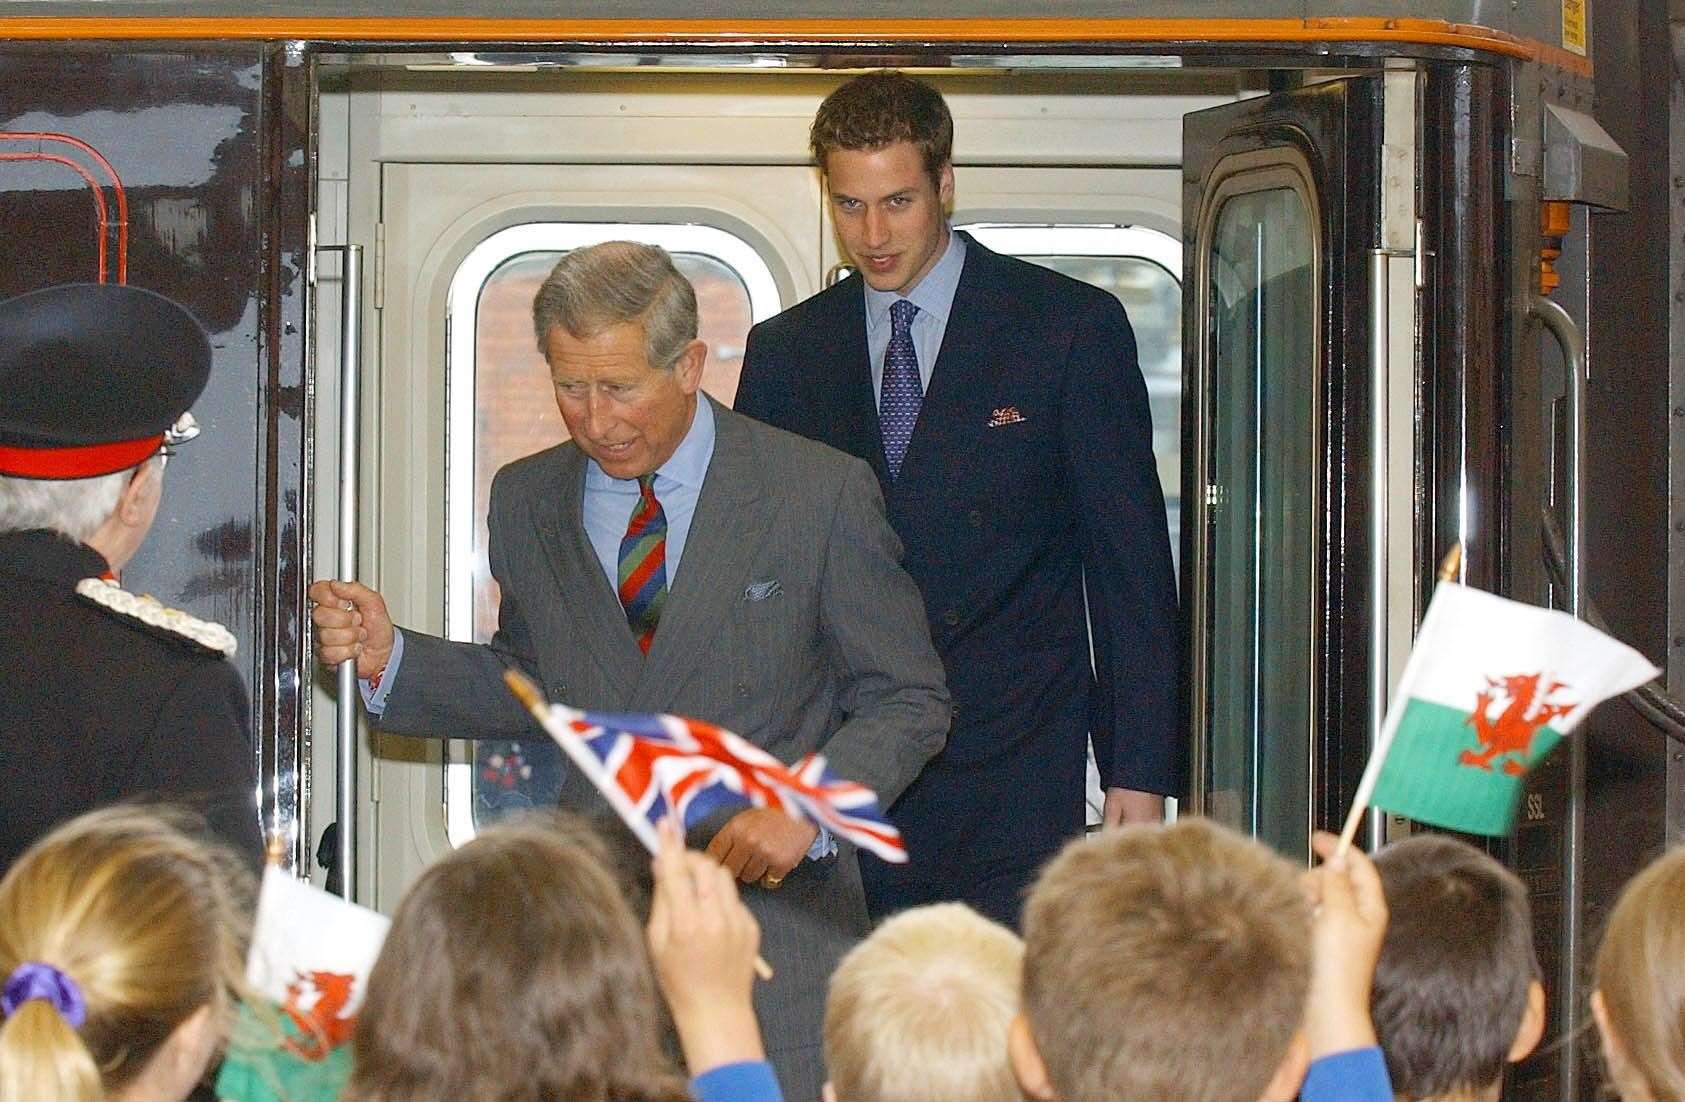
[(374, 694), (1359, 1075), (749, 1081)]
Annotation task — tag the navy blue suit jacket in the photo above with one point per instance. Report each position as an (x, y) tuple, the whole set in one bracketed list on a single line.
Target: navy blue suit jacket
[(1031, 469)]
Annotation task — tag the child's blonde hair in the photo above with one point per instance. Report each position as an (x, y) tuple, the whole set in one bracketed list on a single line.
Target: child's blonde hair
[(921, 1009), (1165, 963), (1641, 975), (148, 925)]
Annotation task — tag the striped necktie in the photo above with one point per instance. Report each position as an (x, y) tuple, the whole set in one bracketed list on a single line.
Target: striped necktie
[(902, 390), (643, 564)]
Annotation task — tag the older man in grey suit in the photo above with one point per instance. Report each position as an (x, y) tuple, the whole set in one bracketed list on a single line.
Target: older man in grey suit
[(677, 557)]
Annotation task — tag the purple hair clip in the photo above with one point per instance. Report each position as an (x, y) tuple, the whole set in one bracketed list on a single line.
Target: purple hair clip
[(34, 980)]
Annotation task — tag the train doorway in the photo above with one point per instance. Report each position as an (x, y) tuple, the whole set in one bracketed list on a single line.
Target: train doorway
[(462, 220)]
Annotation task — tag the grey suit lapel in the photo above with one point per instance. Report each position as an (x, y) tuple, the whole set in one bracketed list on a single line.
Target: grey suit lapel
[(731, 517), (586, 596)]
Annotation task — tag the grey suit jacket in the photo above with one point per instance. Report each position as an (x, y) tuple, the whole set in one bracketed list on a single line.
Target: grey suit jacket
[(839, 658)]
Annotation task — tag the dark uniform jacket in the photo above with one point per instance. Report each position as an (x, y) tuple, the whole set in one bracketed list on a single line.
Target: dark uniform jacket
[(1028, 486), (96, 707)]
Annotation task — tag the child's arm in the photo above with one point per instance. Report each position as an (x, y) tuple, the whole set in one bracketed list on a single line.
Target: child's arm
[(703, 941), (1349, 924)]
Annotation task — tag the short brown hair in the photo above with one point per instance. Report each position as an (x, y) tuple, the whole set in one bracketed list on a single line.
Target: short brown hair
[(921, 1009), (514, 969), (1641, 974), (597, 287), (1165, 963), (879, 109), (1451, 985)]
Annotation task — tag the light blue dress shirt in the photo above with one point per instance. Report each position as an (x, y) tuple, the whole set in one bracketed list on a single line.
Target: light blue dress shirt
[(934, 296), (610, 502)]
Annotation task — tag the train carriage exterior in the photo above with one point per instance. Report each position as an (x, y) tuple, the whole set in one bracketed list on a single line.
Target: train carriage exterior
[(1407, 275)]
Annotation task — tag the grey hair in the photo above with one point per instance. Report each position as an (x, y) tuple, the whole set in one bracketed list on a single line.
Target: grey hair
[(597, 287), (74, 508)]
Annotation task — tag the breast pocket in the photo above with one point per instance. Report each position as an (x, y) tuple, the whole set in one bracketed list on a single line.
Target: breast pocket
[(773, 621)]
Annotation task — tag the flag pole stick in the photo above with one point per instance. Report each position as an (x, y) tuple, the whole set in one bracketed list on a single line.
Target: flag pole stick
[(1449, 567), (532, 698)]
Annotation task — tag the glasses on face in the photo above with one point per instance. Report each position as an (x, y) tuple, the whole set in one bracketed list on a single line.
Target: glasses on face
[(185, 429)]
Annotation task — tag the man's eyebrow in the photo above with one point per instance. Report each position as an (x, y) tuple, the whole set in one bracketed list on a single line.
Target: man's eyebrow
[(843, 195)]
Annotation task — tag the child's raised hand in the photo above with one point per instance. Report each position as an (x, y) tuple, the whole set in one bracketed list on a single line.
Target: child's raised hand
[(703, 941), (1349, 925)]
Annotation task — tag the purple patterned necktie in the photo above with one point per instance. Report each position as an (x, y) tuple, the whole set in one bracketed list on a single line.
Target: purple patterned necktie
[(902, 392)]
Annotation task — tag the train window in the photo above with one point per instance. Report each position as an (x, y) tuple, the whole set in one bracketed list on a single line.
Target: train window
[(1142, 268), (1261, 469), (501, 407)]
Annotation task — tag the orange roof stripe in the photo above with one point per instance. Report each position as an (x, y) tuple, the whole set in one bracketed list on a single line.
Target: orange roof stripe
[(799, 32)]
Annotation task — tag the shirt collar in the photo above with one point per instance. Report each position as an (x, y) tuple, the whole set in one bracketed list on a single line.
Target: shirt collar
[(934, 294), (687, 466)]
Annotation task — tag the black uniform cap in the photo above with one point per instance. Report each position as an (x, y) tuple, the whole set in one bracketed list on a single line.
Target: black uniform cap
[(91, 376)]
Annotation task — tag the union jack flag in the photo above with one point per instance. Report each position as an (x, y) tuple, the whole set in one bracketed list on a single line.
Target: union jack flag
[(651, 765)]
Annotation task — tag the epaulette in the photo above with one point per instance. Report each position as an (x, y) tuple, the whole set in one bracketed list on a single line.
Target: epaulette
[(154, 614)]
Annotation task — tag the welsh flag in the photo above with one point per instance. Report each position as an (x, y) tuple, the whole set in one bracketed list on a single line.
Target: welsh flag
[(310, 957), (1491, 686)]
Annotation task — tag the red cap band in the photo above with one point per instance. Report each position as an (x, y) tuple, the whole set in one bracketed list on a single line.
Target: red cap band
[(90, 461)]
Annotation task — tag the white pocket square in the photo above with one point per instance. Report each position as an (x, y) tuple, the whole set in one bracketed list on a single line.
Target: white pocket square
[(760, 591)]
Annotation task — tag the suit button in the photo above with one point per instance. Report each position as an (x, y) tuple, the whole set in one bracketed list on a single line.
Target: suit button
[(742, 688), (951, 618), (975, 517)]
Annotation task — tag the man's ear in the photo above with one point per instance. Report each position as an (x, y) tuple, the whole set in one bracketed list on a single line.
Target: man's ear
[(1027, 1063), (1290, 1073), (131, 503), (1532, 1024), (689, 365), (945, 186)]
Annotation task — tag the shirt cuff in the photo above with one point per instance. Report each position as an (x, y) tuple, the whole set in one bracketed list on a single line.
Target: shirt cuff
[(374, 696), (749, 1081), (823, 846), (1359, 1075)]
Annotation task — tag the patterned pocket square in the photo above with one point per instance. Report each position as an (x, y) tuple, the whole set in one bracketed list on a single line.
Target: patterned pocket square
[(760, 591), (1005, 415)]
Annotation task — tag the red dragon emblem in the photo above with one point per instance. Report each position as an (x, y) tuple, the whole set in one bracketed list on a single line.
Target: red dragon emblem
[(322, 1025), (1509, 734)]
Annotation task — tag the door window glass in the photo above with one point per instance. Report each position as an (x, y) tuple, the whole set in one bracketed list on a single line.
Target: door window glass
[(1262, 510), (502, 407)]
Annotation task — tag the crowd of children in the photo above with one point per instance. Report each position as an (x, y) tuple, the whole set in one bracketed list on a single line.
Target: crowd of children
[(1177, 962)]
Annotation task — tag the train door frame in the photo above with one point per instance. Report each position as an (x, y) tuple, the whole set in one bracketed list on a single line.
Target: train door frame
[(1348, 146)]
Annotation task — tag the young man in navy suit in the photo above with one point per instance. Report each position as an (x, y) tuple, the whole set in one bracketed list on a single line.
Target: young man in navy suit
[(1004, 412)]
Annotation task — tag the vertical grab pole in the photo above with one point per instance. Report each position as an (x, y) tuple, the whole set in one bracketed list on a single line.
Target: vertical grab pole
[(1380, 354), (1573, 346), (350, 704)]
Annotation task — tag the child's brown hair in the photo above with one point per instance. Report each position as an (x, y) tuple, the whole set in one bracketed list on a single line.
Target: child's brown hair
[(1165, 963), (514, 969)]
